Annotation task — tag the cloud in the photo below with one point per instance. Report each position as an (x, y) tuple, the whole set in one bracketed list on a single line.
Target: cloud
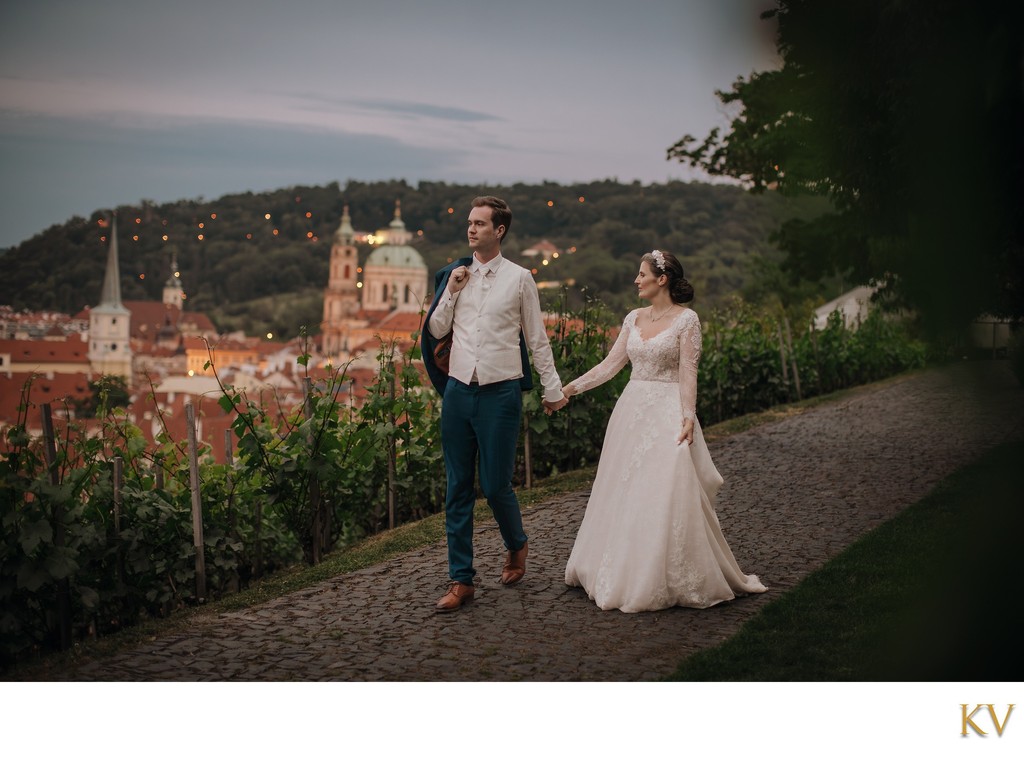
[(402, 108)]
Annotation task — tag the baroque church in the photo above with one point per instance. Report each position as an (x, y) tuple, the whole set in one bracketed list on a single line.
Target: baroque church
[(387, 302)]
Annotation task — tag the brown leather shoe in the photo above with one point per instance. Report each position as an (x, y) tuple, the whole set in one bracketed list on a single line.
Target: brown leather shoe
[(458, 593), (515, 566)]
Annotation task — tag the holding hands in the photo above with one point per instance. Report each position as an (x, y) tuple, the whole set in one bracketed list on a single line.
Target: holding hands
[(551, 407)]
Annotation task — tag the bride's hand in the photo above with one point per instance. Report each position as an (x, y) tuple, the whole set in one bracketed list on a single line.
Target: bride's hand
[(686, 435), (568, 390)]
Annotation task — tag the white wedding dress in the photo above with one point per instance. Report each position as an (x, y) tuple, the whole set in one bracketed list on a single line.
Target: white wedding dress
[(650, 538)]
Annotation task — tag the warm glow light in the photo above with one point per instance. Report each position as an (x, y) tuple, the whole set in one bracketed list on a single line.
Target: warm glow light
[(135, 237), (580, 198), (359, 269), (103, 239), (555, 254), (248, 235), (419, 233), (572, 249), (270, 335), (266, 216), (533, 271), (213, 216), (359, 284), (451, 210), (177, 274), (199, 236), (309, 235), (202, 225), (165, 238), (191, 373), (550, 203), (309, 214), (545, 262), (142, 276), (277, 232), (138, 221)]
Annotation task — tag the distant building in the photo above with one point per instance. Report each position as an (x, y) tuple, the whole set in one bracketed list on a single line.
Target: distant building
[(544, 249), (386, 304), (854, 307), (110, 349)]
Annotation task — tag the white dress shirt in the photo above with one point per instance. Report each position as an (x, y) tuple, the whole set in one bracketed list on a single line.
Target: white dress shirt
[(486, 316)]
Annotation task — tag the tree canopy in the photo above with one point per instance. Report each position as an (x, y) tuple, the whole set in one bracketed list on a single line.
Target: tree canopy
[(909, 116), (258, 261)]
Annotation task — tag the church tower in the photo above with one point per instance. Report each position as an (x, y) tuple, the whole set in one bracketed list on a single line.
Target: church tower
[(395, 275), (109, 323), (174, 294), (341, 298)]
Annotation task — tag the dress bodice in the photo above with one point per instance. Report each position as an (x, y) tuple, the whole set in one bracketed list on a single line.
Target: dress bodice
[(656, 359), (671, 355)]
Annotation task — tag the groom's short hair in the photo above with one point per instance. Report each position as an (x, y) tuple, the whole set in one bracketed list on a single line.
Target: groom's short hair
[(501, 214)]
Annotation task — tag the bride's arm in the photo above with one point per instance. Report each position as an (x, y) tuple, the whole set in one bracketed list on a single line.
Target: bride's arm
[(608, 368), (690, 343)]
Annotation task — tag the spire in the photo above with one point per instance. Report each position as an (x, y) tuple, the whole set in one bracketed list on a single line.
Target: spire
[(174, 293), (345, 234), (111, 295), (398, 210)]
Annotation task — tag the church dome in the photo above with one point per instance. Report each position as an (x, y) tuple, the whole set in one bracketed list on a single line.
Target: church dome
[(396, 256), (395, 253)]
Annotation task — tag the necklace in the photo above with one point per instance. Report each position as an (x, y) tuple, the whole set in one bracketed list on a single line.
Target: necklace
[(661, 315)]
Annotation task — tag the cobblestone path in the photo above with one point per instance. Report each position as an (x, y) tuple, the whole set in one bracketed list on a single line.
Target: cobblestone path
[(797, 491)]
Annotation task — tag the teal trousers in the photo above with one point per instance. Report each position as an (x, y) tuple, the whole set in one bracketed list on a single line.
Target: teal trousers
[(480, 423)]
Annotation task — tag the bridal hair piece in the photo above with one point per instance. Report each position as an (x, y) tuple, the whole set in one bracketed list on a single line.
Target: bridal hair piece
[(667, 265)]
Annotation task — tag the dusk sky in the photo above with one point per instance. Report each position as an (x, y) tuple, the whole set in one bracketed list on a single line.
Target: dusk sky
[(108, 102)]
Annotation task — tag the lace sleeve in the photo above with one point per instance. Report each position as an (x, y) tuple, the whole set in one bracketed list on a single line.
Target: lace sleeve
[(690, 342), (610, 366)]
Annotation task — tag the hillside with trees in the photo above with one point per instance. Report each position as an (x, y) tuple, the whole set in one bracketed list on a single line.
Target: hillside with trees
[(258, 261)]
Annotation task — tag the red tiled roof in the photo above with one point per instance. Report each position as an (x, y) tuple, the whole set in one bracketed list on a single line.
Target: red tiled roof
[(42, 390), (71, 351)]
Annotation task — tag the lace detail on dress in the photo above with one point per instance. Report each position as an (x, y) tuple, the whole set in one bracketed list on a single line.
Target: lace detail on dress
[(651, 397), (657, 358)]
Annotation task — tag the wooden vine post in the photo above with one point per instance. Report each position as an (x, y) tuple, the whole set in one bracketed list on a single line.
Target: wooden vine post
[(315, 501), (63, 585), (197, 506)]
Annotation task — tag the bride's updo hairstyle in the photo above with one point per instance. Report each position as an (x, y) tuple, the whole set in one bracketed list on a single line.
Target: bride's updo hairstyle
[(661, 262)]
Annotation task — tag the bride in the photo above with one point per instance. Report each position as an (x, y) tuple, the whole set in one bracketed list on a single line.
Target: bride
[(650, 538)]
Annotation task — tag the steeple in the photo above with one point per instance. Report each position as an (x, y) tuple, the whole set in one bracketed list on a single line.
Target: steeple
[(110, 349), (174, 294), (111, 295), (397, 233), (345, 234)]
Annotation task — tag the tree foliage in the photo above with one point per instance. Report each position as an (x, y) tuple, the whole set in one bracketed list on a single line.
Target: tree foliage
[(907, 115), (253, 273)]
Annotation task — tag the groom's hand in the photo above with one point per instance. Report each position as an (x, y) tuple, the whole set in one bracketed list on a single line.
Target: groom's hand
[(551, 407), (458, 279)]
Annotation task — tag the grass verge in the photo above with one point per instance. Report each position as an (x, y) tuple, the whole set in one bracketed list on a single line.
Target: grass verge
[(927, 596)]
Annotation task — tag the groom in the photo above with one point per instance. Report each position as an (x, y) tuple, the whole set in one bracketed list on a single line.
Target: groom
[(492, 307)]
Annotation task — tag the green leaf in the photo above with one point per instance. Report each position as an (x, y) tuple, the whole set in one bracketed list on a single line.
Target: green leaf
[(35, 533)]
